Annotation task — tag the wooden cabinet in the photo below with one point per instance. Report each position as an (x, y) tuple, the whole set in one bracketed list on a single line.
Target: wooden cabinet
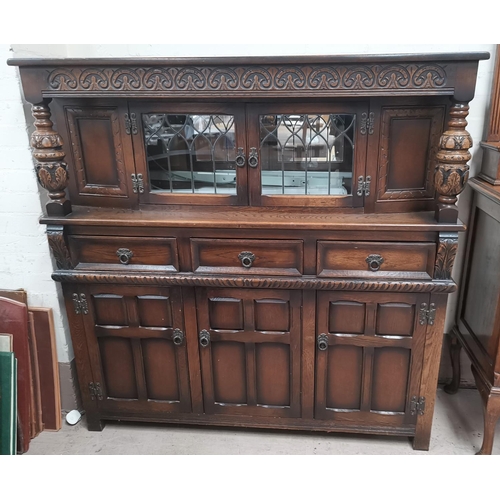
[(263, 242)]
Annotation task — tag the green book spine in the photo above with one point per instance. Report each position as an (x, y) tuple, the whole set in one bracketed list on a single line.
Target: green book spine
[(8, 403)]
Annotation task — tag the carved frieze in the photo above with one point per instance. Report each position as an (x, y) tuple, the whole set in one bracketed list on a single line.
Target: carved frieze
[(445, 257), (249, 78)]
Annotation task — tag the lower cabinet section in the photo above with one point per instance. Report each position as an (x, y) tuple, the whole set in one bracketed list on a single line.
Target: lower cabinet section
[(245, 358)]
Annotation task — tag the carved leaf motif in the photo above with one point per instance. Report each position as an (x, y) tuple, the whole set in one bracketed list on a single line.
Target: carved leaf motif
[(445, 258), (59, 249), (61, 177), (44, 178)]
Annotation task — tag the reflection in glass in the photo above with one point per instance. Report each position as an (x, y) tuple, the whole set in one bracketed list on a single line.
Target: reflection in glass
[(190, 153), (307, 154)]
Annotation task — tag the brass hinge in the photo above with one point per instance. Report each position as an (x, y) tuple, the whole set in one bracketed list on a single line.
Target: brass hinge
[(364, 185), (427, 315), (137, 183), (95, 391), (130, 123), (80, 303), (417, 405), (367, 122)]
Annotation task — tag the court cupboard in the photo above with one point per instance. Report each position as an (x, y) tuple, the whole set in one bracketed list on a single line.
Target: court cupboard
[(262, 242)]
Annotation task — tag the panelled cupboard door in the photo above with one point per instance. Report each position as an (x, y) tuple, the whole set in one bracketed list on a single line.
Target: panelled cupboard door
[(99, 151), (250, 351), (137, 348), (190, 153), (307, 154), (369, 356)]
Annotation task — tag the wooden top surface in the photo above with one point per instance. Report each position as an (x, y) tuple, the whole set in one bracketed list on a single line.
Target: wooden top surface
[(485, 188), (251, 218), (306, 59)]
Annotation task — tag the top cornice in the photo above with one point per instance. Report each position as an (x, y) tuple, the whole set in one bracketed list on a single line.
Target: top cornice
[(247, 60), (252, 77)]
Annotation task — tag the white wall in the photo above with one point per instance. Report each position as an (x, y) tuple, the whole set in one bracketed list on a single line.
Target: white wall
[(24, 259)]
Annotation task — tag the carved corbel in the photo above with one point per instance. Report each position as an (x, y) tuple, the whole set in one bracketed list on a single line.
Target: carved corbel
[(445, 257), (51, 171), (452, 171), (57, 243)]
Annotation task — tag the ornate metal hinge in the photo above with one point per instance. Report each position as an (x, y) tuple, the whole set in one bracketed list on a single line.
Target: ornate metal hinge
[(417, 405), (427, 315), (131, 124), (364, 185), (137, 183), (95, 391), (367, 122), (80, 303)]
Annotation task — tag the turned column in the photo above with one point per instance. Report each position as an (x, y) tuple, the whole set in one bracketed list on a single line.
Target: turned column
[(452, 170), (50, 168)]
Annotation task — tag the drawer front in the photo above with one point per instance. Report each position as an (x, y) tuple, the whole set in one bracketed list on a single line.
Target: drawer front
[(228, 256), (376, 259), (117, 252)]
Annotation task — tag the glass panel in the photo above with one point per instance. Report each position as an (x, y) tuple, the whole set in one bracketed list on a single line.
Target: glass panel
[(307, 154), (190, 153)]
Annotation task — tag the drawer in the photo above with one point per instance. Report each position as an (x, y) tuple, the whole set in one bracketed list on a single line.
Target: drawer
[(117, 252), (375, 259), (228, 256)]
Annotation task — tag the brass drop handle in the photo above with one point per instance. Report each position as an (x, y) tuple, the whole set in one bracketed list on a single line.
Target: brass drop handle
[(374, 262), (178, 336), (240, 158), (124, 255), (253, 158), (247, 259), (322, 342), (204, 337)]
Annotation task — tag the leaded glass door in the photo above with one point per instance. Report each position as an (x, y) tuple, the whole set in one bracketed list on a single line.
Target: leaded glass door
[(192, 153), (306, 154)]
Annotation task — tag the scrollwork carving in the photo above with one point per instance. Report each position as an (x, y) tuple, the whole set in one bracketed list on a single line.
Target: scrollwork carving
[(282, 78)]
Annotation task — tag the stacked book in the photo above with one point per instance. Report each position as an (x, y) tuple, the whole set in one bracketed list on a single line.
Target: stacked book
[(8, 396)]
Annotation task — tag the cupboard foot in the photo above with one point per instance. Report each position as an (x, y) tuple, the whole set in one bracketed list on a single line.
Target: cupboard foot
[(94, 424), (455, 349), (491, 415)]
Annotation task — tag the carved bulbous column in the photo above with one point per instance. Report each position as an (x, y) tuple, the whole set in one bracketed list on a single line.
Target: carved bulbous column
[(452, 170), (50, 168)]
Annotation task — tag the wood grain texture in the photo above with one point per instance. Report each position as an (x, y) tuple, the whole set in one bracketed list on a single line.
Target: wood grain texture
[(253, 217)]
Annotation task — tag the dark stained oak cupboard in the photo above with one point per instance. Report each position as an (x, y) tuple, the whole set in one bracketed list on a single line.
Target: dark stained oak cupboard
[(262, 242)]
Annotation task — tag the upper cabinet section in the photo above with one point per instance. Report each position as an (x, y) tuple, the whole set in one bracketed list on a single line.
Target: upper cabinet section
[(381, 133)]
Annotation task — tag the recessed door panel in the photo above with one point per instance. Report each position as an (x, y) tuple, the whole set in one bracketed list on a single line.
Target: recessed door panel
[(369, 352), (250, 351), (137, 349)]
